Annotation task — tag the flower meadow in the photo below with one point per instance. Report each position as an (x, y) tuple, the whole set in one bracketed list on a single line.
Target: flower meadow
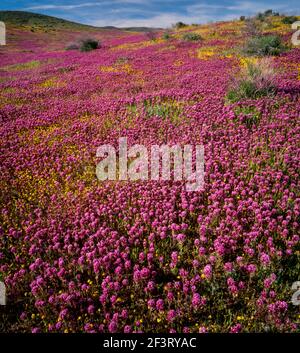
[(80, 255)]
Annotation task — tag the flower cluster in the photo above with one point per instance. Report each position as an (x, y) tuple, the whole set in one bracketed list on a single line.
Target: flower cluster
[(79, 255)]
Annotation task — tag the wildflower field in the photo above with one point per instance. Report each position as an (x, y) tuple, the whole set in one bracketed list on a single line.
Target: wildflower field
[(80, 255)]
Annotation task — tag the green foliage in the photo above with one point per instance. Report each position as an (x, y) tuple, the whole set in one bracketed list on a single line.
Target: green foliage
[(249, 115), (22, 18), (288, 20), (166, 36), (270, 45), (84, 45), (256, 81), (268, 13), (260, 16), (242, 18), (179, 25), (89, 44), (247, 89), (24, 66), (166, 110), (191, 37)]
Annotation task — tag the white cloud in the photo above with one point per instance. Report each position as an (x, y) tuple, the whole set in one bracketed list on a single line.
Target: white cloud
[(255, 7), (239, 6), (85, 4), (198, 13), (62, 7), (160, 20), (125, 16)]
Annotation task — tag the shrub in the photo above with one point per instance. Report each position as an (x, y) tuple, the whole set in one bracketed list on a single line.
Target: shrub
[(254, 81), (179, 25), (166, 36), (84, 45), (268, 13), (191, 37), (242, 18), (248, 115), (288, 20), (260, 16), (88, 44), (270, 45)]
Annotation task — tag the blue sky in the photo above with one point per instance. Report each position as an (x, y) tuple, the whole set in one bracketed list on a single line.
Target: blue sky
[(158, 13)]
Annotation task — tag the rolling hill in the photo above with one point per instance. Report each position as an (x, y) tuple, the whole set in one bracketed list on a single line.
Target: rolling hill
[(34, 20)]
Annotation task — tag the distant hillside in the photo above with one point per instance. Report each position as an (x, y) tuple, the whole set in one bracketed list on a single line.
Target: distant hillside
[(22, 18), (134, 29)]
